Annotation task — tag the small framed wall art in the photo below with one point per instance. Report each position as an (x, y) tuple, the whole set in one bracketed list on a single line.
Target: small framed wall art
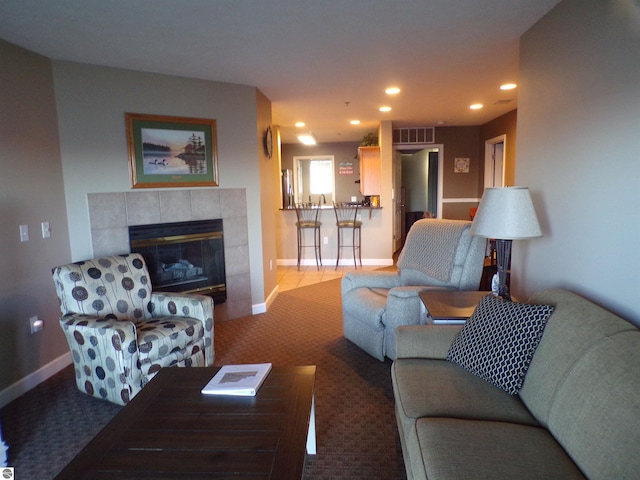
[(171, 151), (461, 165)]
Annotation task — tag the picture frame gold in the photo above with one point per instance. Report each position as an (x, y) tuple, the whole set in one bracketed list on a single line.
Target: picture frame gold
[(167, 151)]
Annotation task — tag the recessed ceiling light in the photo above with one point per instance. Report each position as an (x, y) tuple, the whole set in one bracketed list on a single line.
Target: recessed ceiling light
[(508, 86), (392, 91), (355, 122), (476, 106), (307, 138), (385, 109), (300, 124)]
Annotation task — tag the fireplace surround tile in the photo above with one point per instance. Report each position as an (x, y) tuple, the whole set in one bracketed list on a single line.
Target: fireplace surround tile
[(236, 259), (110, 241), (175, 206), (234, 203), (107, 210), (110, 215), (143, 207), (205, 204), (235, 231)]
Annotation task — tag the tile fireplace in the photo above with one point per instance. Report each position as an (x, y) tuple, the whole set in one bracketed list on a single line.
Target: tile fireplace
[(112, 213)]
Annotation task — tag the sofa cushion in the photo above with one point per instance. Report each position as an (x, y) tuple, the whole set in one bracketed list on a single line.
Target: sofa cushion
[(158, 337), (575, 328), (595, 415), (454, 449), (498, 341), (437, 388)]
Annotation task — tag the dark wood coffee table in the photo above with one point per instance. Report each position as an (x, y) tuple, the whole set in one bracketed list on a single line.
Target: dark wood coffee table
[(171, 430)]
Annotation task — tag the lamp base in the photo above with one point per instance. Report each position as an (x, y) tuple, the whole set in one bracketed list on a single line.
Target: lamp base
[(503, 254)]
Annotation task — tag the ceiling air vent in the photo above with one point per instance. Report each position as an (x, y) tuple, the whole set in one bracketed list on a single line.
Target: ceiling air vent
[(408, 136)]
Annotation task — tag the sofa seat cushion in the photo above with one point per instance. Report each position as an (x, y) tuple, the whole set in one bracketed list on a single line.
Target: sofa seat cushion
[(454, 449), (437, 388), (160, 336), (189, 356)]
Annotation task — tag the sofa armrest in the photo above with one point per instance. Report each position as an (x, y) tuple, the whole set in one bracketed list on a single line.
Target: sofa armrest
[(105, 355), (182, 305), (191, 305), (425, 341), (369, 280)]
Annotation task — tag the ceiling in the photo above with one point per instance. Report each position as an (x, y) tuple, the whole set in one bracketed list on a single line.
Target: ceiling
[(322, 62)]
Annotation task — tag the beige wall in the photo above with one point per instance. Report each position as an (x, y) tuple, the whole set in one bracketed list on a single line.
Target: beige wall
[(269, 169), (31, 192)]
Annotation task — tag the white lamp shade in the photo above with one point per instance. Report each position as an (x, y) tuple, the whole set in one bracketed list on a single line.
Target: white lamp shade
[(506, 213)]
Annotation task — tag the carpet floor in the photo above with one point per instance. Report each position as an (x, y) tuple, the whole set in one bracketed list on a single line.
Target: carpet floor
[(356, 431)]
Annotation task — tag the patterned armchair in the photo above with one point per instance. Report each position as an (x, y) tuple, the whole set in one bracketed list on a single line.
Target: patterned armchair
[(438, 254), (120, 333)]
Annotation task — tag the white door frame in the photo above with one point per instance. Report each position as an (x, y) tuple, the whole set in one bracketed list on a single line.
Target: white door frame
[(431, 147), (489, 163)]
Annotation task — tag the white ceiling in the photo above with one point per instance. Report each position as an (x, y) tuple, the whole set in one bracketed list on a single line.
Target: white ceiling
[(308, 57)]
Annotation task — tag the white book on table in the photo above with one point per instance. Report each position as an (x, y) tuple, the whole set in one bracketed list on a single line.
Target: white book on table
[(241, 380)]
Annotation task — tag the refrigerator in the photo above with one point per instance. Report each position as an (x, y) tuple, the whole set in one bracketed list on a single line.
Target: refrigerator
[(287, 188)]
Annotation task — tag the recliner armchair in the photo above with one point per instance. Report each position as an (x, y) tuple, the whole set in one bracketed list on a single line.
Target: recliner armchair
[(438, 254), (121, 333)]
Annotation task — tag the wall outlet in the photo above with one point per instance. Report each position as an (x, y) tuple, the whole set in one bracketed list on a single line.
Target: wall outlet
[(325, 240), (35, 324)]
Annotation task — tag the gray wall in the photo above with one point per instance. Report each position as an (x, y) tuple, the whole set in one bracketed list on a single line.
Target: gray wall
[(578, 144), (91, 105), (31, 192), (63, 137)]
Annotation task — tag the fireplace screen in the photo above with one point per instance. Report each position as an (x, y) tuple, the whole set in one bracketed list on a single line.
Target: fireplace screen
[(183, 257)]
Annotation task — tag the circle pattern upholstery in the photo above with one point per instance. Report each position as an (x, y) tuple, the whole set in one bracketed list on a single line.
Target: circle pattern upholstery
[(120, 333)]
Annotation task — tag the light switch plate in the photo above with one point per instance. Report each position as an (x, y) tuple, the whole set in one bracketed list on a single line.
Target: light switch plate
[(24, 233)]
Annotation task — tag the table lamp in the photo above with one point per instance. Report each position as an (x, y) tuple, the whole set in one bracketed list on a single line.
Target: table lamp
[(505, 214)]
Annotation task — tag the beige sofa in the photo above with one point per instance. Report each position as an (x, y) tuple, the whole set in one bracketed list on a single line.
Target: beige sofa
[(577, 414)]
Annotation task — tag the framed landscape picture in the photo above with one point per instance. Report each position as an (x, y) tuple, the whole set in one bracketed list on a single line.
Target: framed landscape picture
[(171, 151)]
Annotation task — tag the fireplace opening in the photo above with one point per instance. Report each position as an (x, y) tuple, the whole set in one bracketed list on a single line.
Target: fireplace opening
[(183, 257)]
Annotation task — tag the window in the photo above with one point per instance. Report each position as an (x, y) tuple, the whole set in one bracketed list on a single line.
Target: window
[(314, 179)]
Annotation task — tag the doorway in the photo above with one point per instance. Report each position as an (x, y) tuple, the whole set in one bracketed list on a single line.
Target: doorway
[(494, 161), (418, 181)]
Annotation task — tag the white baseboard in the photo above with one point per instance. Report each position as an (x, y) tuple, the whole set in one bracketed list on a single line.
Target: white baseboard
[(272, 296), (258, 308), (331, 262), (27, 383)]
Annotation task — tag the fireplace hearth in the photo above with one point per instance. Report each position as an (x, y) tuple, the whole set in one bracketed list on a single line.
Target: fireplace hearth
[(183, 257)]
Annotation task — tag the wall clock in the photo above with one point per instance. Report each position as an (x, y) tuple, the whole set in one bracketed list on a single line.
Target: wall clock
[(268, 141)]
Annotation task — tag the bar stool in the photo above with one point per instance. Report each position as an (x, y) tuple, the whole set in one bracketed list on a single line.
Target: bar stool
[(347, 217), (307, 215)]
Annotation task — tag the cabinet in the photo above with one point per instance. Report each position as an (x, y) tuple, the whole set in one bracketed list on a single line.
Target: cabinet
[(369, 170)]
